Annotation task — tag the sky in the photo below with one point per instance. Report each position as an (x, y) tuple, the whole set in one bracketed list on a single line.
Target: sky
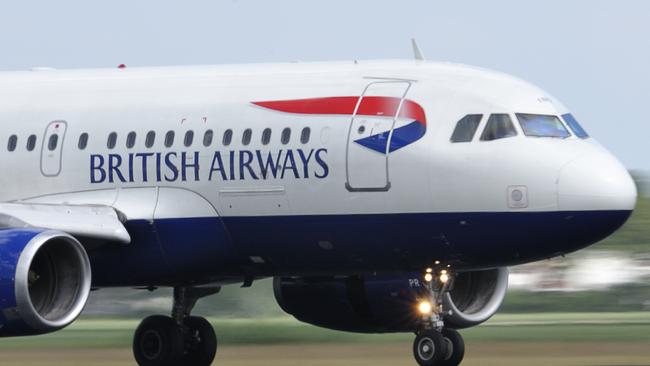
[(592, 55)]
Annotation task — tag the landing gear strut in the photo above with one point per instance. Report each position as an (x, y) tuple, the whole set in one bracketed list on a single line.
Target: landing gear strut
[(434, 344), (181, 339)]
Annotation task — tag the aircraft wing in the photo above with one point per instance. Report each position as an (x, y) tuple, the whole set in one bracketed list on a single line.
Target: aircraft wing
[(93, 222)]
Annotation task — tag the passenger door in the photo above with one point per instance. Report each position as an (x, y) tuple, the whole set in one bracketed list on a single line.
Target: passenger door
[(52, 148), (369, 135)]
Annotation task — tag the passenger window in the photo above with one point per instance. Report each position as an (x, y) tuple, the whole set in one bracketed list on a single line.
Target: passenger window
[(31, 142), (266, 136), (246, 138), (207, 138), (150, 139), (169, 139), (466, 128), (112, 140), (189, 138), (286, 136), (305, 134), (53, 142), (13, 141), (575, 126), (130, 140), (227, 137), (83, 141), (498, 126)]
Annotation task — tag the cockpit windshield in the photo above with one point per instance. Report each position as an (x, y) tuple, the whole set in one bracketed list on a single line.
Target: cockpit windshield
[(575, 126), (498, 126), (538, 125)]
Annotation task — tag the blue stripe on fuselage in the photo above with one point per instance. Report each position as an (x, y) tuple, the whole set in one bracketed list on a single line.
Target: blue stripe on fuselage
[(201, 249)]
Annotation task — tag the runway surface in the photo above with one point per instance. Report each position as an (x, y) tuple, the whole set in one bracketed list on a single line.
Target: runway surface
[(574, 339), (387, 354)]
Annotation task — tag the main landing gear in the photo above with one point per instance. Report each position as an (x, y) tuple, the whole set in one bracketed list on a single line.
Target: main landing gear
[(434, 344), (181, 339)]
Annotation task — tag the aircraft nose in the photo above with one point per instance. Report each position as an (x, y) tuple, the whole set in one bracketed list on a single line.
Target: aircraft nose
[(596, 182)]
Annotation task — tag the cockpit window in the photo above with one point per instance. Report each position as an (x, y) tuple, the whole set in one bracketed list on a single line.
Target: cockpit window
[(575, 126), (466, 128), (538, 125), (498, 126)]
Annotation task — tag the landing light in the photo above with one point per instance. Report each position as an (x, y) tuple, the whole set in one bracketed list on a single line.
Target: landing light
[(428, 277), (444, 277), (425, 307)]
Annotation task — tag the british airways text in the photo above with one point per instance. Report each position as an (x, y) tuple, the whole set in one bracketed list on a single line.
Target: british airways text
[(198, 166)]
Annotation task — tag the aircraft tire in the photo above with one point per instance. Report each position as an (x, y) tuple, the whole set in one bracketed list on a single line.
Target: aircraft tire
[(429, 348), (202, 342), (455, 348), (158, 341)]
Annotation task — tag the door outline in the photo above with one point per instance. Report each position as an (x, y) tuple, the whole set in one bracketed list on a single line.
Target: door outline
[(348, 186), (56, 154)]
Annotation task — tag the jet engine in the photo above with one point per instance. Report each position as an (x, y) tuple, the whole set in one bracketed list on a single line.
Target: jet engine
[(45, 280), (475, 297), (388, 304)]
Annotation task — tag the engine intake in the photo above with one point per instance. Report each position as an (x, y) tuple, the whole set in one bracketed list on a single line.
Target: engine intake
[(45, 281), (475, 297)]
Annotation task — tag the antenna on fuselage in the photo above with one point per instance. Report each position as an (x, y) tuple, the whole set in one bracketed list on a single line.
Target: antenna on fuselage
[(417, 52)]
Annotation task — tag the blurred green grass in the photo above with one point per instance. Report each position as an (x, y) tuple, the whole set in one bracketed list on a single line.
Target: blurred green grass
[(576, 327)]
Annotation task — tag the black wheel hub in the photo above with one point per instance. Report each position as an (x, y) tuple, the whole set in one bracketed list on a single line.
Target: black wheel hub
[(151, 344), (426, 349)]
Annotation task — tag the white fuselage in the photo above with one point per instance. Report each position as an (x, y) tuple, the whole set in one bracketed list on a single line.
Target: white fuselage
[(329, 174)]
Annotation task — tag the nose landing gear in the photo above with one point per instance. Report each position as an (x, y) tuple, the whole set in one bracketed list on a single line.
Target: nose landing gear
[(434, 344), (180, 339), (429, 348)]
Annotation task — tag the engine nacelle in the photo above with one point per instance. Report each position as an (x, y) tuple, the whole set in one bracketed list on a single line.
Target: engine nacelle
[(45, 281), (475, 297), (377, 304)]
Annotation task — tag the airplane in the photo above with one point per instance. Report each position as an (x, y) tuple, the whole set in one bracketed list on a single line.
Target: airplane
[(381, 196)]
